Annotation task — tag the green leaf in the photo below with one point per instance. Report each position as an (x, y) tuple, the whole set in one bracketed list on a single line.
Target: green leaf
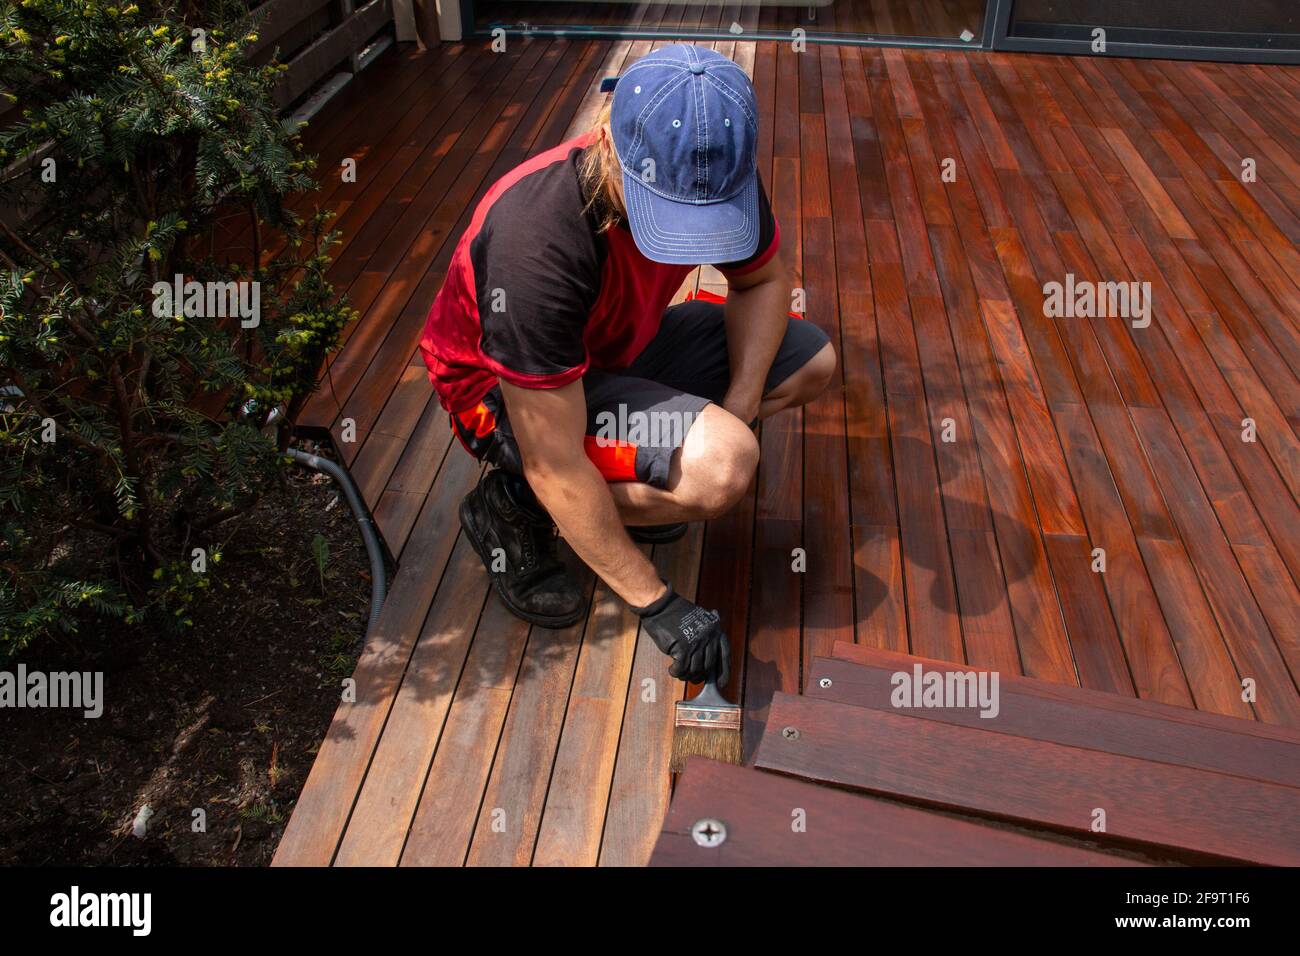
[(320, 550)]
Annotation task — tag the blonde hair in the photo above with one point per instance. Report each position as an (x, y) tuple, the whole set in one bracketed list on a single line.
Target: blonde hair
[(598, 172)]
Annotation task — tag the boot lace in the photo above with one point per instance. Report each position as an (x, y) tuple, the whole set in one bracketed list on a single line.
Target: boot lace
[(538, 543)]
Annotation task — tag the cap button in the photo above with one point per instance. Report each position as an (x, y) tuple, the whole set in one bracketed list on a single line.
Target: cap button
[(697, 68)]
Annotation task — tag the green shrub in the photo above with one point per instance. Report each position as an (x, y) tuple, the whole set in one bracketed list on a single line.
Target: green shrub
[(132, 426)]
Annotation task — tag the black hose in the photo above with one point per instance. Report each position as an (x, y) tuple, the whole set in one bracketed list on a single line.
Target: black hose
[(369, 534)]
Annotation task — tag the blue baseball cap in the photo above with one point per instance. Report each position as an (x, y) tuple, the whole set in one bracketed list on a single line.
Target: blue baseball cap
[(685, 127)]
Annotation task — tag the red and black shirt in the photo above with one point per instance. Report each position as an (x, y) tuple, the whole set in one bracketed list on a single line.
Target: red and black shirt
[(535, 296)]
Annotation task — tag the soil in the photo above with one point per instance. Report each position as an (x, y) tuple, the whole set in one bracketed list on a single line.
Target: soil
[(225, 717)]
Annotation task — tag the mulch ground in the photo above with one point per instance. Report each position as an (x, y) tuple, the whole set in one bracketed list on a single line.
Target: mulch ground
[(224, 718)]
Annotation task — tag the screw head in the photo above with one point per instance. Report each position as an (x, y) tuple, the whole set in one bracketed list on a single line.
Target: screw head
[(709, 832), (824, 683), (790, 733)]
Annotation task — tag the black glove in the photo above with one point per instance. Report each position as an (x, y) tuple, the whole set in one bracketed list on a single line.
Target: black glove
[(691, 635)]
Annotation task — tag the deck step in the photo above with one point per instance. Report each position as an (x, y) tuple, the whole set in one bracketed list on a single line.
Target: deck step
[(1189, 813), (837, 829), (1072, 716)]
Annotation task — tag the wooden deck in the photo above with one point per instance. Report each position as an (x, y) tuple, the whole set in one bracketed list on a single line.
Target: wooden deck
[(475, 739)]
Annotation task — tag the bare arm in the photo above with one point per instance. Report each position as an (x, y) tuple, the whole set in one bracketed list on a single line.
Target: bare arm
[(549, 425), (756, 313)]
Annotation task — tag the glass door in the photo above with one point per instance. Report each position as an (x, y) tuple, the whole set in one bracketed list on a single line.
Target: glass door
[(928, 22), (1250, 30)]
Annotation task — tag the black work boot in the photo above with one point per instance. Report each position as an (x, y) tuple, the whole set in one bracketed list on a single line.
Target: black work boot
[(502, 513), (657, 533)]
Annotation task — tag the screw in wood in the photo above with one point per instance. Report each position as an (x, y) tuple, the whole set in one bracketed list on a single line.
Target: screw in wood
[(709, 832), (790, 733), (824, 683)]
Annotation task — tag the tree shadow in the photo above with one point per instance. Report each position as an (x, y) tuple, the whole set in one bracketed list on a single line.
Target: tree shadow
[(940, 536), (470, 644), (445, 701)]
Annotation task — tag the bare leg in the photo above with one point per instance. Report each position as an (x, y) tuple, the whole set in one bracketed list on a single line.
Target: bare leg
[(801, 387), (713, 469), (709, 473)]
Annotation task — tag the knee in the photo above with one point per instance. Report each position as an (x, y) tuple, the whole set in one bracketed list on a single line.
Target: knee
[(720, 468), (811, 380), (734, 471), (805, 384)]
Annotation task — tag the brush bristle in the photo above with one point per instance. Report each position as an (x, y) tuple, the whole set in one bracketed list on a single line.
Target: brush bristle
[(716, 743)]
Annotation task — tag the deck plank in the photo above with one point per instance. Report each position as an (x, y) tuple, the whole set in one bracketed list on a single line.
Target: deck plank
[(515, 794), (1137, 731), (378, 827), (843, 829), (636, 806), (313, 832), (828, 579)]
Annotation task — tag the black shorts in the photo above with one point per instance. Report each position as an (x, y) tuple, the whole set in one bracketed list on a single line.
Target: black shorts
[(638, 417)]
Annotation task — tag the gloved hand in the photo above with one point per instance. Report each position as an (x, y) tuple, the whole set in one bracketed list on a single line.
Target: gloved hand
[(691, 635)]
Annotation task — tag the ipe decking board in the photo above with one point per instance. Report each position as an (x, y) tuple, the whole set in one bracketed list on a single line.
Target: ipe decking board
[(1033, 781), (487, 743), (1143, 731), (775, 821), (867, 655)]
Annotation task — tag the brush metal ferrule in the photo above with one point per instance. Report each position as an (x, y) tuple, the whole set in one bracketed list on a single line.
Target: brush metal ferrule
[(708, 709)]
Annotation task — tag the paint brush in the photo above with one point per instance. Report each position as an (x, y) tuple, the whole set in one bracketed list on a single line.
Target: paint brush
[(707, 725)]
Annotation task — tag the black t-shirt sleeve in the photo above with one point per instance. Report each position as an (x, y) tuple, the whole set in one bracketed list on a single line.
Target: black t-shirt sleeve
[(769, 239), (536, 279)]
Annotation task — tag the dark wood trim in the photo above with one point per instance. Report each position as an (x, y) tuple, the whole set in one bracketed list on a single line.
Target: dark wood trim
[(1087, 721), (277, 18), (309, 66), (1033, 782), (839, 829)]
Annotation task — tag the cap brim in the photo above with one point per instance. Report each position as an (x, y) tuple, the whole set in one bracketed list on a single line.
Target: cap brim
[(678, 233)]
